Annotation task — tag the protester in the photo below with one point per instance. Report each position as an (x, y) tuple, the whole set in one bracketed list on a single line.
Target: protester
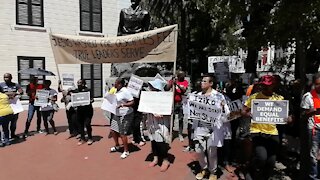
[(31, 91), (71, 112), (122, 120), (180, 85), (84, 114), (12, 90), (208, 137), (6, 114), (265, 139), (48, 110), (159, 133), (311, 110)]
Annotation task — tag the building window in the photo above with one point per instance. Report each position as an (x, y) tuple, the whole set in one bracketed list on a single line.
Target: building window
[(92, 74), (29, 12), (91, 15), (25, 63)]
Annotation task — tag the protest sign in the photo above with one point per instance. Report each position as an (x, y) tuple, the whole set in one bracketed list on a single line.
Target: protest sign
[(158, 45), (16, 105), (236, 64), (156, 102), (269, 111), (42, 98), (135, 85), (158, 76), (67, 81), (80, 99), (235, 108), (220, 67), (109, 103), (204, 108)]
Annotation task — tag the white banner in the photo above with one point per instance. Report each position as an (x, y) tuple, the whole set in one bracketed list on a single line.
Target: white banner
[(204, 108), (109, 103), (135, 85), (80, 99), (156, 102), (42, 98), (159, 45)]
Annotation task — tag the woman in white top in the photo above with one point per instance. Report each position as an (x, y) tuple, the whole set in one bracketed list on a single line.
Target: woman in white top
[(158, 128), (122, 120)]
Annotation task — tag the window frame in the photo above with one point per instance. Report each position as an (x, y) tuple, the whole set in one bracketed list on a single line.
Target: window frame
[(91, 16), (91, 78), (30, 23), (31, 65)]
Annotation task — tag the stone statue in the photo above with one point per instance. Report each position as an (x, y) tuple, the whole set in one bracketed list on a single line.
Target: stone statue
[(133, 19)]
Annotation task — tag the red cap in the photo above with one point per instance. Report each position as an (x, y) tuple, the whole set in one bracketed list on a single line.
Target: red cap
[(267, 80)]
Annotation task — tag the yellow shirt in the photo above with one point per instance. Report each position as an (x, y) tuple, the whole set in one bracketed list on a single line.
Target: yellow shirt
[(259, 127), (5, 108), (113, 90)]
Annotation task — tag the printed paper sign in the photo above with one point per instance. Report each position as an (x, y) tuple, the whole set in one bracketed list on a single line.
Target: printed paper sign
[(80, 99), (109, 103), (135, 85), (204, 108), (220, 66), (270, 111), (235, 108), (42, 98), (156, 102), (16, 105), (67, 81)]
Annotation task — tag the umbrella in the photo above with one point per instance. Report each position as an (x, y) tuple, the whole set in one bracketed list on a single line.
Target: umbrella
[(36, 72)]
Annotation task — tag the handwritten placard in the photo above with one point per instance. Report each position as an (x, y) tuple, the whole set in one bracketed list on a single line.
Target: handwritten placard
[(135, 85)]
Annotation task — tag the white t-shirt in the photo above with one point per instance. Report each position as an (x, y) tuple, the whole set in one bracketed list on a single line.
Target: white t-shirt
[(307, 103), (123, 96), (49, 107)]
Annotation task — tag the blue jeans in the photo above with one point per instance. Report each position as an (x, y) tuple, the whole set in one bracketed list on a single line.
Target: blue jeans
[(31, 111), (4, 121), (315, 140)]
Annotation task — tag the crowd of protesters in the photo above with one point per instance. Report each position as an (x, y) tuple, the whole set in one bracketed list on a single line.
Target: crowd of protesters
[(239, 146)]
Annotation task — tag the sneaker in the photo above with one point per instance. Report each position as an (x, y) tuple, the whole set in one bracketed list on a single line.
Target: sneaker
[(153, 164), (55, 133), (201, 174), (124, 155), (81, 142), (181, 138), (40, 131), (213, 177), (278, 165), (188, 149), (90, 141), (78, 136), (141, 143), (14, 137), (114, 149)]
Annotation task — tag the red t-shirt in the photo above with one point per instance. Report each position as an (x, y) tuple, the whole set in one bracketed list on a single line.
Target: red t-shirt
[(177, 93), (33, 89)]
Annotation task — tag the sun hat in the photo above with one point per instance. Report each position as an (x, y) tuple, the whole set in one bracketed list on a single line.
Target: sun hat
[(267, 80), (157, 84)]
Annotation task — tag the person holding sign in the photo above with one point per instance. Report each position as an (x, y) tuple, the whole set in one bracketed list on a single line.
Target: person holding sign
[(208, 136), (13, 90), (31, 91), (84, 114), (48, 110), (122, 120), (311, 110), (265, 139), (180, 85), (158, 128), (6, 114)]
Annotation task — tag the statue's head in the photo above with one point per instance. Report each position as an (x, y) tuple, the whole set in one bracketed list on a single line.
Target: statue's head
[(135, 3)]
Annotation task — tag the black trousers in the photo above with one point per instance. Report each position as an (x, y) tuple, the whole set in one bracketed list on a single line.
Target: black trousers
[(48, 116), (84, 116), (265, 148), (72, 121), (136, 130), (160, 149), (190, 139)]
